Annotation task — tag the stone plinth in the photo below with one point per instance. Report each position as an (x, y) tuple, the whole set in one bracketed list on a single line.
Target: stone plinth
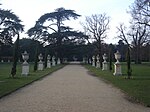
[(90, 61), (93, 61), (48, 64), (97, 64), (105, 66), (25, 69), (58, 61), (118, 70), (40, 65), (53, 61), (83, 60)]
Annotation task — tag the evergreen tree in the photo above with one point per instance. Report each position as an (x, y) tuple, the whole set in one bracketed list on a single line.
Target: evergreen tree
[(36, 57), (10, 25), (110, 57), (56, 33), (45, 58), (129, 70), (15, 57)]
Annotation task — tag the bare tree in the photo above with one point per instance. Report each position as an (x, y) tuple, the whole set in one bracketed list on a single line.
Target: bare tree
[(138, 33), (140, 11), (135, 37), (96, 26)]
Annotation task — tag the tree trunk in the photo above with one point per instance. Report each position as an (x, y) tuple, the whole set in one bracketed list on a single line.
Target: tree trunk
[(45, 58), (15, 57), (36, 57), (137, 54), (60, 49), (59, 42), (100, 53), (129, 71), (110, 58), (148, 52)]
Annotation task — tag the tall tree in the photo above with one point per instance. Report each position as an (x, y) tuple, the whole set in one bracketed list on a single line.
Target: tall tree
[(129, 70), (110, 57), (15, 58), (36, 56), (45, 56), (135, 36), (97, 25), (140, 11), (10, 25), (51, 29), (138, 33)]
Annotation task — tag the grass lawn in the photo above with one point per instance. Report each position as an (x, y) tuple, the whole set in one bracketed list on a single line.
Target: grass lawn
[(8, 85), (137, 88)]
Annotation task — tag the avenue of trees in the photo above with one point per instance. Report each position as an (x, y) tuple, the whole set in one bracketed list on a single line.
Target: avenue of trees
[(53, 37)]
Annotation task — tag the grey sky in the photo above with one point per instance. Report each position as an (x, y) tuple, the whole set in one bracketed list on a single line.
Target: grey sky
[(30, 10)]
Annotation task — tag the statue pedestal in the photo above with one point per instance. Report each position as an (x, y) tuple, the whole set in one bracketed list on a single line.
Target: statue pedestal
[(48, 64), (90, 61), (105, 66), (98, 64), (93, 63), (40, 65), (25, 69), (58, 61), (117, 69), (53, 63), (83, 60)]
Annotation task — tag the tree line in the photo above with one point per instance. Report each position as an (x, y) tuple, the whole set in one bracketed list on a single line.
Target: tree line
[(55, 37)]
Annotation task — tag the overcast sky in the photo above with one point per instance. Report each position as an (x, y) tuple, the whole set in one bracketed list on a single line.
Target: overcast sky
[(30, 10)]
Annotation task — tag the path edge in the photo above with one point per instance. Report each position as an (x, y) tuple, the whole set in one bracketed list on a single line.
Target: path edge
[(40, 78)]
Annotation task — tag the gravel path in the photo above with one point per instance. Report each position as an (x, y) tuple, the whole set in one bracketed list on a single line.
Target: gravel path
[(70, 89)]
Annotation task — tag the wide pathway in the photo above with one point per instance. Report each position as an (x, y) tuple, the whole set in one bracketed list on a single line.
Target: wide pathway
[(70, 89)]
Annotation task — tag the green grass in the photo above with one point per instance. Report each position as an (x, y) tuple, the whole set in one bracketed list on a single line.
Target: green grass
[(138, 87), (8, 85)]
